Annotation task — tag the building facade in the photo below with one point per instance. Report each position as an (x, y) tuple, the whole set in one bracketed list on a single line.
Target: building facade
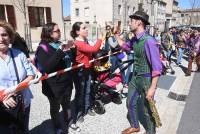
[(102, 11), (172, 13), (190, 16), (37, 14), (160, 12)]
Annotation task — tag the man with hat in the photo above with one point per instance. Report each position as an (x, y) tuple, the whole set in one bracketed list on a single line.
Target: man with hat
[(147, 69)]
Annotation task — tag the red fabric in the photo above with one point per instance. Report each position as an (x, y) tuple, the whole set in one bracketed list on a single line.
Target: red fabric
[(84, 51), (110, 82)]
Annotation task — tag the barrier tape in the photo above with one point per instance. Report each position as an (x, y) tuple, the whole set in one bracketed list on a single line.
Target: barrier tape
[(40, 77)]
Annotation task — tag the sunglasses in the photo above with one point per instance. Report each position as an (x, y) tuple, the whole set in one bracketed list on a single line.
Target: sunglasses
[(56, 31)]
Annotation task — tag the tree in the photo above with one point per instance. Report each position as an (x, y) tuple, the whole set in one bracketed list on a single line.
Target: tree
[(22, 5)]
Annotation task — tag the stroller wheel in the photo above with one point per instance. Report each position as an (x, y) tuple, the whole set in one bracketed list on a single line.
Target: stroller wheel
[(172, 72), (116, 98), (99, 107)]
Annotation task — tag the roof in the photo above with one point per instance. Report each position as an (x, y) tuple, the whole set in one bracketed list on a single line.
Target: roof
[(190, 10), (67, 18)]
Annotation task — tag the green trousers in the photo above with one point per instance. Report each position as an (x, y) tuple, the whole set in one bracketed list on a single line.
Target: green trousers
[(137, 104)]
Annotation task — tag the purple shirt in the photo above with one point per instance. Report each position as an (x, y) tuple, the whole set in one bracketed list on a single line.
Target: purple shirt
[(151, 50)]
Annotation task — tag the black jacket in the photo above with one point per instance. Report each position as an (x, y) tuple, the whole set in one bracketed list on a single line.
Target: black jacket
[(52, 60)]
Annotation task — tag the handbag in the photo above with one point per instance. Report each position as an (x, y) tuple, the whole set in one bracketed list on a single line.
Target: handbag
[(16, 113)]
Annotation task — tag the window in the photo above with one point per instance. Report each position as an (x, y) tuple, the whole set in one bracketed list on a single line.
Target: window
[(2, 13), (48, 14), (119, 9), (128, 10), (133, 9), (8, 10), (36, 16), (77, 12), (86, 11)]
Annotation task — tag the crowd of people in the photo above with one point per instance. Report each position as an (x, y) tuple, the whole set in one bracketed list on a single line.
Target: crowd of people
[(180, 43), (151, 54)]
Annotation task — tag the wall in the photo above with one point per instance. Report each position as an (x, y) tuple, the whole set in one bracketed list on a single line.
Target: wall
[(35, 32)]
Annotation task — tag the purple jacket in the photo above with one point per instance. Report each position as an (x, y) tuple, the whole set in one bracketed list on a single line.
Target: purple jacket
[(151, 50)]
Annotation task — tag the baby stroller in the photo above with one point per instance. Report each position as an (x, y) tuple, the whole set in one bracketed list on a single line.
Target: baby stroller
[(104, 83)]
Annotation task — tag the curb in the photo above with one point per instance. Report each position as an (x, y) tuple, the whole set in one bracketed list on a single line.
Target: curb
[(178, 97)]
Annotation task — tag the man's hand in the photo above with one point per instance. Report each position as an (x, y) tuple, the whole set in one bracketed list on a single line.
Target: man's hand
[(150, 94), (116, 29)]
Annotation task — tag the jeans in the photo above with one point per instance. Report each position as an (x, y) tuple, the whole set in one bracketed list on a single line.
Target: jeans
[(116, 63), (180, 55), (130, 69), (55, 103), (82, 80)]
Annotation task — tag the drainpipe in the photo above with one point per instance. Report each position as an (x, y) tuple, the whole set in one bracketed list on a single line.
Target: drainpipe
[(63, 20), (113, 11)]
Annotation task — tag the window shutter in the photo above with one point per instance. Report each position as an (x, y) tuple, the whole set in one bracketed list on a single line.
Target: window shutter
[(31, 16), (2, 13), (41, 16), (48, 14), (11, 15)]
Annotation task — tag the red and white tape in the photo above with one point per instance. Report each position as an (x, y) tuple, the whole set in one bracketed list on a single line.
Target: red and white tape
[(39, 77)]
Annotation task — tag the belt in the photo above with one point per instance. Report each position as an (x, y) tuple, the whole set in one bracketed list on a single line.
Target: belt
[(144, 75)]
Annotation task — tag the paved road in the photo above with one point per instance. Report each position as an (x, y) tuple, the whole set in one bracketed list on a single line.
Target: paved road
[(190, 119), (114, 120)]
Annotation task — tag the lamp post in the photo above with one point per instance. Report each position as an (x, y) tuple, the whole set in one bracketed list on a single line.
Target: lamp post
[(64, 24)]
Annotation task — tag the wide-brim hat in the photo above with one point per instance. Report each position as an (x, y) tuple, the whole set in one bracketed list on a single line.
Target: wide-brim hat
[(141, 16)]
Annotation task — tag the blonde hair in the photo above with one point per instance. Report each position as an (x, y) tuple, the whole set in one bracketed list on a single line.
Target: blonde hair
[(9, 29)]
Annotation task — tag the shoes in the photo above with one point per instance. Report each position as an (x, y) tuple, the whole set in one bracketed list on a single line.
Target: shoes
[(80, 119), (91, 112), (75, 127), (130, 130), (59, 131), (178, 64)]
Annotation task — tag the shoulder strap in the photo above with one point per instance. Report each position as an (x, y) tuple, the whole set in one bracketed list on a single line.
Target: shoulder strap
[(43, 46), (14, 63)]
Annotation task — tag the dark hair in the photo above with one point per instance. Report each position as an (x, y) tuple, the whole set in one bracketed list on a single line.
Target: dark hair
[(75, 27), (46, 32), (108, 26), (20, 43)]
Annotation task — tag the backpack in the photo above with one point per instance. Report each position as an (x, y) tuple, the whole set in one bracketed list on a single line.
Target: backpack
[(36, 63)]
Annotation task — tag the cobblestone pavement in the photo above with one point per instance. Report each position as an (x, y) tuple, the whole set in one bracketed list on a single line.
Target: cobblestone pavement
[(114, 120)]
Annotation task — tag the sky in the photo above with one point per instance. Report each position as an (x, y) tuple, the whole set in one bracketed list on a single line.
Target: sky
[(184, 4), (66, 7)]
